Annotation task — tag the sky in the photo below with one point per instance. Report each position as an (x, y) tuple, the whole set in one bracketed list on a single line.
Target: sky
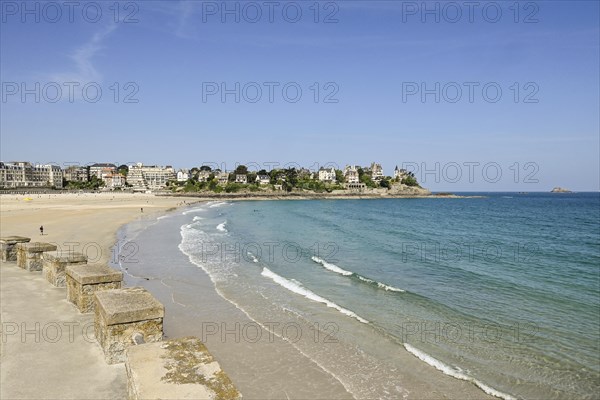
[(470, 96)]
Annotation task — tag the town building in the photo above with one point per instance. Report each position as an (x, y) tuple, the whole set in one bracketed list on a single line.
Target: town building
[(76, 173), (102, 169), (400, 173), (24, 174), (327, 174), (150, 177), (114, 181), (241, 178), (203, 176), (222, 178), (183, 175), (351, 174), (376, 172), (263, 179)]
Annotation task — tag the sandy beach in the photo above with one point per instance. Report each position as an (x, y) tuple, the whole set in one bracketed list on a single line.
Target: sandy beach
[(42, 333), (82, 221)]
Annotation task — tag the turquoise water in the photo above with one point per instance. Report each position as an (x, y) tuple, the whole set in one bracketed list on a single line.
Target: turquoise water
[(502, 291)]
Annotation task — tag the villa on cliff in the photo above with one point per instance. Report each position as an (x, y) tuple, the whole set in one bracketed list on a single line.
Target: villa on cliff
[(241, 178), (376, 172), (351, 174), (263, 179), (400, 173), (327, 174)]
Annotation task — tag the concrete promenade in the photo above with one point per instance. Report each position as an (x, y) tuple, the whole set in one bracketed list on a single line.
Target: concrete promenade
[(47, 348)]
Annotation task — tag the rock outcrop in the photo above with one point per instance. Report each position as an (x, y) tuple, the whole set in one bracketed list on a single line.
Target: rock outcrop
[(559, 189)]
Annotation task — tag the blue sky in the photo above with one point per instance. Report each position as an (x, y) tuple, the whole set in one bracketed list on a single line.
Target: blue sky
[(374, 58)]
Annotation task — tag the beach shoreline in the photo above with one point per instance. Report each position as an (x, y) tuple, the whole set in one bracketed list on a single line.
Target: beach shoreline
[(78, 222), (90, 223)]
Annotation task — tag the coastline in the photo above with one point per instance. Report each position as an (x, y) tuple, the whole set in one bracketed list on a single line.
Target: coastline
[(94, 220), (195, 304), (313, 196)]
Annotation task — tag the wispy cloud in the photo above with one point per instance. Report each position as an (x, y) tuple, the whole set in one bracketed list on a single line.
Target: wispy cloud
[(186, 10), (83, 69)]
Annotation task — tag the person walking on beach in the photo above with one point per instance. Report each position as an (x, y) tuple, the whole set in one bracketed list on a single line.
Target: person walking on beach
[(42, 230), (142, 209)]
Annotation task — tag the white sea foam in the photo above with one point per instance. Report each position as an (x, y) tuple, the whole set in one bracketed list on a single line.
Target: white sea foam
[(219, 204), (193, 210), (380, 285), (197, 218), (254, 259), (437, 364), (341, 271), (221, 227), (296, 287), (331, 267), (161, 217)]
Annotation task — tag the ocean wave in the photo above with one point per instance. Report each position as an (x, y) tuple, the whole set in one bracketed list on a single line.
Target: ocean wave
[(161, 217), (380, 285), (331, 267), (254, 259), (221, 227), (341, 271), (453, 372), (218, 204), (193, 210), (296, 287), (197, 218)]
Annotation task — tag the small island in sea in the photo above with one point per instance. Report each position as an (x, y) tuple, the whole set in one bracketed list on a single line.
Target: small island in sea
[(559, 189)]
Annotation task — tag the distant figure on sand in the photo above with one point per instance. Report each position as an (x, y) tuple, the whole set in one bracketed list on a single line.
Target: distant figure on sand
[(142, 209), (42, 230)]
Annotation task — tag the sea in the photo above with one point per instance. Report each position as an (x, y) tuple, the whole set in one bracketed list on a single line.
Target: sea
[(494, 294)]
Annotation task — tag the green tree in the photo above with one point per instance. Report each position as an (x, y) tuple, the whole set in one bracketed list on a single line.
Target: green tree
[(410, 181), (241, 169), (339, 176)]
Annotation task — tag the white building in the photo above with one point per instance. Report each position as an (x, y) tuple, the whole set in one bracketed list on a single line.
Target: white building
[(351, 174), (327, 174), (24, 174), (183, 175), (114, 181), (203, 176), (263, 179), (376, 172), (400, 173), (150, 177), (76, 173), (223, 178), (102, 169), (241, 178)]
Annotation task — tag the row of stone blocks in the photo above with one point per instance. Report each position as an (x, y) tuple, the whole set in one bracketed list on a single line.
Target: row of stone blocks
[(128, 324), (121, 315)]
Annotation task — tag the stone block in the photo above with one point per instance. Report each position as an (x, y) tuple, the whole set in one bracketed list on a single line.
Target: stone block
[(29, 255), (8, 247), (123, 316), (176, 369), (84, 280), (55, 263)]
